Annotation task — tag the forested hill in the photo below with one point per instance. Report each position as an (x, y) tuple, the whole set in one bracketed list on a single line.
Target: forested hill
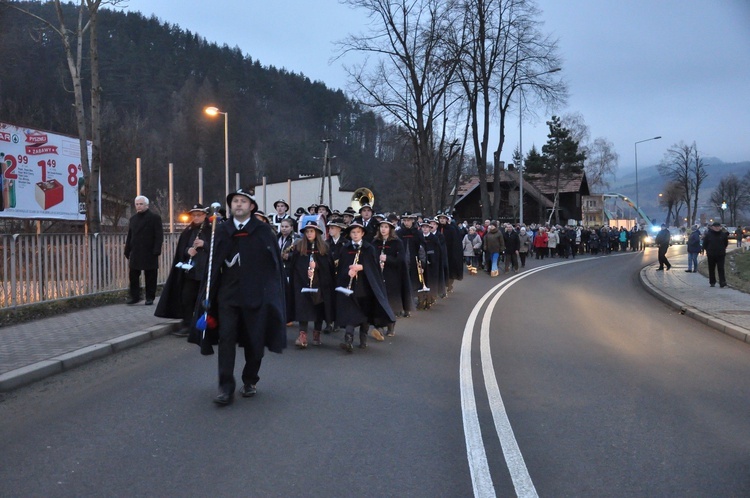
[(156, 80)]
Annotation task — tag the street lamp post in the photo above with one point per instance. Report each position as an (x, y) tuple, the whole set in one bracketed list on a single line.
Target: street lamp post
[(214, 111), (636, 167), (520, 144)]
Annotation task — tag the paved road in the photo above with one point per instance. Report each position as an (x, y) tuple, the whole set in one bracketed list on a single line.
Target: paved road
[(607, 391)]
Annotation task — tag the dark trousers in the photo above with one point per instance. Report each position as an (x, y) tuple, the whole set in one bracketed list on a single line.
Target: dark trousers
[(135, 283), (188, 300), (716, 263), (663, 257), (231, 325)]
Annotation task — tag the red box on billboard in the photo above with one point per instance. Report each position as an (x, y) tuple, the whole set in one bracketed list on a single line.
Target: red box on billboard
[(48, 194)]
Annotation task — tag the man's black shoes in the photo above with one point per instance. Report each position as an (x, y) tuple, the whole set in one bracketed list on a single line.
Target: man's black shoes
[(133, 300), (223, 399), (248, 390), (149, 302)]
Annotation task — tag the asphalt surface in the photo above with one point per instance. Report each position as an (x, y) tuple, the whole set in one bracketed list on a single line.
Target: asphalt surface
[(609, 391), (38, 349)]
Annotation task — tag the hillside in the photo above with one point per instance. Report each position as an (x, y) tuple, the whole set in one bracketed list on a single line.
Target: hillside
[(651, 183), (156, 80)]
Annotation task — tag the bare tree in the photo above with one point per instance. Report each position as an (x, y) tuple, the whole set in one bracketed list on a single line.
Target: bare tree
[(683, 165), (601, 163), (732, 191), (673, 200), (502, 50), (72, 37), (410, 75)]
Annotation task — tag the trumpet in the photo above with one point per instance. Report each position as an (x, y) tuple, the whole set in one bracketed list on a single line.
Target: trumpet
[(348, 289), (420, 273), (311, 271)]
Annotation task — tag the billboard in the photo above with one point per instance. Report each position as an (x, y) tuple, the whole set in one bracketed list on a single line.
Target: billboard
[(41, 175)]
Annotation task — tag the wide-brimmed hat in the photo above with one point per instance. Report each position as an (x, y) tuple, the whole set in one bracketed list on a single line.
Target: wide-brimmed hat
[(442, 214), (313, 206), (312, 224), (337, 222), (408, 216), (244, 193), (328, 210), (392, 225), (365, 206), (300, 211), (350, 211), (198, 208), (355, 224), (281, 201), (378, 216)]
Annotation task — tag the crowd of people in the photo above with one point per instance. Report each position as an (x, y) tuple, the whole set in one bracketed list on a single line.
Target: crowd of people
[(244, 279)]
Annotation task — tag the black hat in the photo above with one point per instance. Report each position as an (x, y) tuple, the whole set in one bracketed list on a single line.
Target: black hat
[(440, 213), (377, 216), (336, 213), (198, 208), (337, 222), (355, 224), (328, 210), (393, 225), (263, 214), (311, 224), (365, 206), (244, 193), (715, 224), (300, 211), (350, 211), (312, 206), (281, 201), (425, 221), (408, 215)]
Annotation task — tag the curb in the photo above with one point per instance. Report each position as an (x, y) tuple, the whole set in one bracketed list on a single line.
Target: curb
[(64, 362), (716, 323)]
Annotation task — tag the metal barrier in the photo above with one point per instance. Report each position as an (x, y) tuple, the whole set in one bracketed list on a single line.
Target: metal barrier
[(37, 268)]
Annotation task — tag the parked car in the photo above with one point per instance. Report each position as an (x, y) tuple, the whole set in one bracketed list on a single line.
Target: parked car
[(732, 232)]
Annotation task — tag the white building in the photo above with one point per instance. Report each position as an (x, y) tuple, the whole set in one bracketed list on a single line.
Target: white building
[(303, 192)]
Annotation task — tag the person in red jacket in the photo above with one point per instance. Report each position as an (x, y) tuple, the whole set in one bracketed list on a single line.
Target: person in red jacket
[(540, 243)]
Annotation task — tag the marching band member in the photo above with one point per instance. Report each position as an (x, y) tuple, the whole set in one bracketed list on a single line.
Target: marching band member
[(281, 214), (454, 249), (411, 236), (431, 266), (443, 258), (180, 293), (392, 258), (247, 295), (369, 225), (348, 215), (361, 297), (311, 280)]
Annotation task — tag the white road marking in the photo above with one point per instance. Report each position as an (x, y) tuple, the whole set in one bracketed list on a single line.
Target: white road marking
[(477, 457)]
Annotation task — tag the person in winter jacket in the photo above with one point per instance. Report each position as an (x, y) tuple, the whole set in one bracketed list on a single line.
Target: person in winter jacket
[(715, 244), (472, 249), (494, 244), (693, 249)]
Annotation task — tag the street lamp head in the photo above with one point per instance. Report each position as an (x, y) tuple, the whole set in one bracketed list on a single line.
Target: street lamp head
[(656, 138), (212, 111)]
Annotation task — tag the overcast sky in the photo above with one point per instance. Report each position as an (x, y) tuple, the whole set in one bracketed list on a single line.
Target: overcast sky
[(636, 69)]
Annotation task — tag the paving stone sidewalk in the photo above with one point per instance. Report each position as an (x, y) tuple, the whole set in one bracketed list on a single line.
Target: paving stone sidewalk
[(725, 309), (45, 343)]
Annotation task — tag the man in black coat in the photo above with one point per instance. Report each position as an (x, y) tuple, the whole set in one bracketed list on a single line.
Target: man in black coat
[(142, 249), (189, 265), (663, 239), (366, 219), (715, 244), (454, 249), (512, 245), (246, 295)]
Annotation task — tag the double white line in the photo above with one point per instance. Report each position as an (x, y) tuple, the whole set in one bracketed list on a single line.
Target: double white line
[(480, 472)]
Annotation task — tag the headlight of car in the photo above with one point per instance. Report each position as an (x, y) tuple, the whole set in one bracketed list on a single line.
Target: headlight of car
[(649, 239)]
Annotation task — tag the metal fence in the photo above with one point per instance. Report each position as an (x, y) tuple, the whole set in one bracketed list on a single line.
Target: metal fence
[(44, 267)]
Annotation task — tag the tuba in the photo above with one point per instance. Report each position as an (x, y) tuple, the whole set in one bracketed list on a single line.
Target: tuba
[(362, 196)]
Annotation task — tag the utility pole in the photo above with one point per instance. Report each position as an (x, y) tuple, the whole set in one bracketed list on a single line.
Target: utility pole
[(326, 173)]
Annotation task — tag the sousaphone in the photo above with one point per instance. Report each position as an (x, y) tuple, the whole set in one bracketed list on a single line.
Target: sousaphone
[(362, 196)]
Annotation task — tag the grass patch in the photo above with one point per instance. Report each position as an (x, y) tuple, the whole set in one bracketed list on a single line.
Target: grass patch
[(37, 311), (736, 269)]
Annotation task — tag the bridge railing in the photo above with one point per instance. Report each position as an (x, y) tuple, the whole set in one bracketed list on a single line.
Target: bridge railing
[(37, 268)]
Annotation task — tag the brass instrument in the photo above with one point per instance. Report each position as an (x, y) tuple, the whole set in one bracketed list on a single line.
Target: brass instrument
[(311, 268), (348, 289), (420, 273), (362, 196)]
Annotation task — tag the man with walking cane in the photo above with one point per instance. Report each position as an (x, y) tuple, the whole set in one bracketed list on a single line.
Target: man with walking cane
[(245, 296)]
